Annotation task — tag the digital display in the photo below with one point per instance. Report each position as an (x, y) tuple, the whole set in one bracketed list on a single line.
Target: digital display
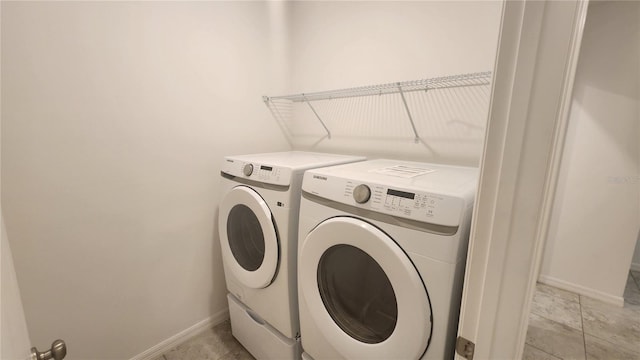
[(406, 195), (268, 168)]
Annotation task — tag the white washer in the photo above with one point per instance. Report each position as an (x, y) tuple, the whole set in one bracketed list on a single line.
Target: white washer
[(258, 223), (381, 259)]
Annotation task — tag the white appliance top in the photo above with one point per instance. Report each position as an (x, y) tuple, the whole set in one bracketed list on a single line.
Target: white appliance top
[(277, 168), (437, 194)]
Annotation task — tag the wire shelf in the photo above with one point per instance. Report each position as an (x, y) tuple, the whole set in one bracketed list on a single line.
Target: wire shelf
[(280, 106)]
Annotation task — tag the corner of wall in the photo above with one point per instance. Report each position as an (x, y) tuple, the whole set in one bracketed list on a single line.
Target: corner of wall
[(635, 263), (14, 335), (575, 253)]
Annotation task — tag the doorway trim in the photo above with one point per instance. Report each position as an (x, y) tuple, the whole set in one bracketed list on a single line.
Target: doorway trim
[(539, 46)]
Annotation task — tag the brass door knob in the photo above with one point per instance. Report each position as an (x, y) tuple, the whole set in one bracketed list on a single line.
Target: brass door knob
[(57, 352)]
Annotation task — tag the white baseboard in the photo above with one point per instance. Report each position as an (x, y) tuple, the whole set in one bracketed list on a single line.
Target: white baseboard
[(184, 335), (581, 290), (635, 266)]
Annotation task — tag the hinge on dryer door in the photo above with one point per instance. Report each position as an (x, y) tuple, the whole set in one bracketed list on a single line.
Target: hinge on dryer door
[(465, 348)]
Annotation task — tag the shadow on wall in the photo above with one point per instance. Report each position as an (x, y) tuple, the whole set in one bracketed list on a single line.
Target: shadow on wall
[(611, 96), (217, 270), (598, 58), (598, 178), (635, 263)]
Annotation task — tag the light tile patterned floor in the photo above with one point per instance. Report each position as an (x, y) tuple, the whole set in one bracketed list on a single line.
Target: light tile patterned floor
[(564, 325), (213, 344)]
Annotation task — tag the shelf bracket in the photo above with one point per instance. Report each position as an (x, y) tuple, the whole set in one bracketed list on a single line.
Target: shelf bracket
[(317, 116), (406, 107)]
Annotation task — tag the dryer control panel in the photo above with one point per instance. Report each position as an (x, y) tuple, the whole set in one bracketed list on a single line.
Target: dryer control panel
[(263, 173), (411, 204)]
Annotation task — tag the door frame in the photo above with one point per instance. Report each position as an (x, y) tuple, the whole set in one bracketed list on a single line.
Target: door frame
[(539, 45)]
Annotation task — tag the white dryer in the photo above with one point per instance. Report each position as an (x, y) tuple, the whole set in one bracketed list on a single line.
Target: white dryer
[(258, 222), (381, 259)]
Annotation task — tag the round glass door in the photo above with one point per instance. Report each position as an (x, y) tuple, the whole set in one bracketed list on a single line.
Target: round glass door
[(363, 292), (357, 294), (245, 237), (248, 237)]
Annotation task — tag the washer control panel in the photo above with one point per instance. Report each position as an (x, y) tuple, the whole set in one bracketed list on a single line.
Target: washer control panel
[(361, 193), (411, 204), (263, 173), (247, 170)]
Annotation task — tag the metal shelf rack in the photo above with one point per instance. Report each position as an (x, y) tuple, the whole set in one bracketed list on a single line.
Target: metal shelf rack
[(400, 88)]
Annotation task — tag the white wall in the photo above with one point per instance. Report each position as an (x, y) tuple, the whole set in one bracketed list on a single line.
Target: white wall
[(597, 209), (115, 118), (635, 262), (339, 44), (14, 335)]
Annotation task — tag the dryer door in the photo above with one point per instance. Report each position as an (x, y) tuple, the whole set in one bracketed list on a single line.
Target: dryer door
[(248, 237), (363, 291)]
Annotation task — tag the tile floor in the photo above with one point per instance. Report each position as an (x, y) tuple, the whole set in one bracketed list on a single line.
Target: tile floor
[(564, 325), (213, 344)]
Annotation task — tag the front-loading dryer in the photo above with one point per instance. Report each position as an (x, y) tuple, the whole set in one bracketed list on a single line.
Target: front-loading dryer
[(381, 259), (258, 222)]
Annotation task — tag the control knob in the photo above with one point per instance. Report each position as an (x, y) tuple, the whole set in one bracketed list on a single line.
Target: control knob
[(247, 169), (361, 193)]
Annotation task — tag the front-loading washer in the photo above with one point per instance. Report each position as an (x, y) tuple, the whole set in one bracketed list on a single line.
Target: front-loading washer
[(381, 259), (258, 223)]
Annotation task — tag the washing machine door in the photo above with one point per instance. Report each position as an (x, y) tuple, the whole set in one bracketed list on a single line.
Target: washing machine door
[(248, 237), (363, 292)]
